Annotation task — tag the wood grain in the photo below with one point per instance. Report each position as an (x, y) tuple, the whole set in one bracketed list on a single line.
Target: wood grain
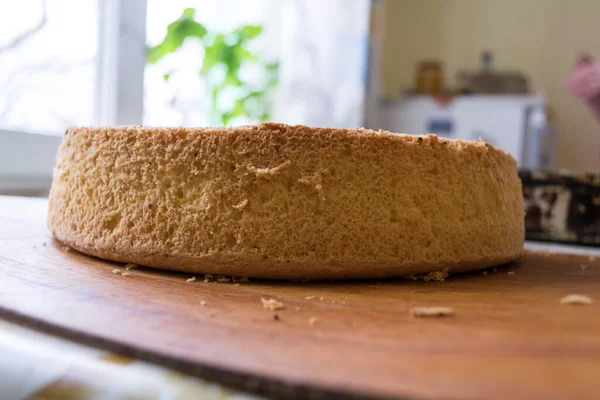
[(509, 337)]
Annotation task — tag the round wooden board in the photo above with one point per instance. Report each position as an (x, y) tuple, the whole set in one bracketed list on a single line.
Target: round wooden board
[(509, 338)]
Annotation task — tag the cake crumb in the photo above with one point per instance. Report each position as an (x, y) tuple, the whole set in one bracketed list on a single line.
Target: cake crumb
[(432, 311), (269, 172), (438, 276), (130, 266), (272, 304), (44, 244), (116, 271), (223, 279), (203, 303), (511, 273), (192, 279), (312, 321), (126, 273), (309, 297), (66, 249), (484, 273), (576, 299), (208, 278), (236, 284), (241, 205), (276, 317), (583, 267)]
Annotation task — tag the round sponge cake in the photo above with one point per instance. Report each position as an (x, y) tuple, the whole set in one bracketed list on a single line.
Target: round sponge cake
[(292, 202)]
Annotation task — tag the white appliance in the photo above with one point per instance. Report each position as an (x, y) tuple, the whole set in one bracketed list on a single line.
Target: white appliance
[(517, 124)]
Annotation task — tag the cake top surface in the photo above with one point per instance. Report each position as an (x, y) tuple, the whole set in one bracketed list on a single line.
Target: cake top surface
[(272, 129)]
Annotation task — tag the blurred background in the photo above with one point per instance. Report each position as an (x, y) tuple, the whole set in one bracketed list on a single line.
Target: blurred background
[(521, 75)]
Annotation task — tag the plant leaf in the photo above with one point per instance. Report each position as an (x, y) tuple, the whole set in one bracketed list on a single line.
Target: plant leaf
[(249, 31), (213, 54), (272, 66), (177, 31), (244, 54)]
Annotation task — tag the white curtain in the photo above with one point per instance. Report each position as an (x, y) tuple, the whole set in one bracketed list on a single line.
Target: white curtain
[(323, 72)]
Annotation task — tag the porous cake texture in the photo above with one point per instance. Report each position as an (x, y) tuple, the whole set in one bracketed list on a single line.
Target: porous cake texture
[(291, 202)]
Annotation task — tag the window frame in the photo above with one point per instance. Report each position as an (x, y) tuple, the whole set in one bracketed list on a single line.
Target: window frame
[(27, 158)]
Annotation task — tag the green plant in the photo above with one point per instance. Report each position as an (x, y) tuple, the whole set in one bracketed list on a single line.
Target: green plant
[(224, 56)]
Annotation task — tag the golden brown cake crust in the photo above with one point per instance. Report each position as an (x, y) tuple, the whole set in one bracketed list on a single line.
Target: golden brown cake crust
[(281, 201)]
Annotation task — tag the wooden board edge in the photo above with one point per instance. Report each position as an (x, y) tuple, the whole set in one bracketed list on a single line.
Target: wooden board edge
[(270, 387)]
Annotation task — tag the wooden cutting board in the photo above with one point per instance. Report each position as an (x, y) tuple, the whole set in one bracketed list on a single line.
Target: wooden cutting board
[(509, 338)]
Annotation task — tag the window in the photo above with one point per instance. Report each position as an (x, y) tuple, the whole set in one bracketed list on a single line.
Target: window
[(47, 82), (91, 62), (47, 73)]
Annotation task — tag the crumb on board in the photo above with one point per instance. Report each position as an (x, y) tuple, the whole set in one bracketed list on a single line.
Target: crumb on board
[(484, 273), (129, 266), (223, 279), (511, 273), (583, 267), (126, 273), (236, 284), (276, 317), (576, 299), (546, 253), (312, 321), (309, 297), (437, 276), (116, 271), (203, 303), (272, 304), (208, 278), (431, 311), (192, 279), (66, 249)]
